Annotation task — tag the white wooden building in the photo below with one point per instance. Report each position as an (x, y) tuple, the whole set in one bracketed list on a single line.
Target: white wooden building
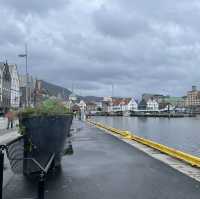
[(82, 105), (152, 105), (5, 87), (129, 104), (15, 86)]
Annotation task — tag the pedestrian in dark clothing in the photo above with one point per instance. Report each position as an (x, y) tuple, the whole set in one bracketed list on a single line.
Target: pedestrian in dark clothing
[(10, 117)]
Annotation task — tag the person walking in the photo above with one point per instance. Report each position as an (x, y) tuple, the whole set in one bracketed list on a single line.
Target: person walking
[(10, 116)]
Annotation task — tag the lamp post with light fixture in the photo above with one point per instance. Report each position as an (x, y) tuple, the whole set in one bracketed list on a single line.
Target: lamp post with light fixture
[(25, 55)]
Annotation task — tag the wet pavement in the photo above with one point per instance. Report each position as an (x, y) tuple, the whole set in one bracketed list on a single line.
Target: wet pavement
[(104, 167)]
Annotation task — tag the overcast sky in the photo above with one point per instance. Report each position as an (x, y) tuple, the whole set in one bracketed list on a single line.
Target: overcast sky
[(137, 45)]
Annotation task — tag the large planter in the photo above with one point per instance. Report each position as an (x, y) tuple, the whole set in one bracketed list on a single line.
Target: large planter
[(44, 135)]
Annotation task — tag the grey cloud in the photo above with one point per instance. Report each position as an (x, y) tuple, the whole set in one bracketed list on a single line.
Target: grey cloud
[(12, 34), (113, 23), (11, 31), (139, 46), (33, 6)]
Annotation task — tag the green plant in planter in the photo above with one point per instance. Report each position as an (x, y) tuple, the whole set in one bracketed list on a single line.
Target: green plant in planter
[(47, 108)]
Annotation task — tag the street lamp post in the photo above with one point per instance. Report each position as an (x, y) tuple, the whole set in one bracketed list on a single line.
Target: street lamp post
[(25, 55)]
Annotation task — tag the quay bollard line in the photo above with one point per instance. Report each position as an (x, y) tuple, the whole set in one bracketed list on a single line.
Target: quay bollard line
[(190, 159)]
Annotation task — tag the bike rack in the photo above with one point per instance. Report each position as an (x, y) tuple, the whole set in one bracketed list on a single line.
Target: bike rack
[(43, 171)]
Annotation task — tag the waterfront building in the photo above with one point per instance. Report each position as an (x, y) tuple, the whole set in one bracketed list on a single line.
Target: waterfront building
[(132, 105), (75, 108), (82, 105), (107, 99), (110, 107), (152, 105), (129, 104), (178, 102), (193, 98), (87, 107), (157, 97), (91, 106), (5, 87), (163, 105), (27, 90), (99, 105), (15, 90), (106, 107), (116, 105), (123, 104), (142, 105)]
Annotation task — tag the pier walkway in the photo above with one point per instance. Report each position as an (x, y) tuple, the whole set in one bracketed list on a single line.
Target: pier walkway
[(104, 167)]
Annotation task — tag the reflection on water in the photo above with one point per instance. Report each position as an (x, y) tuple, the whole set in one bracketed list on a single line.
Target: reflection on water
[(180, 133)]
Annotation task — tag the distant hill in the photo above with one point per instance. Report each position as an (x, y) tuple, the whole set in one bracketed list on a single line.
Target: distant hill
[(91, 98), (54, 90)]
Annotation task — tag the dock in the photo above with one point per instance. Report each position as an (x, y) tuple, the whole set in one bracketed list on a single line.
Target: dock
[(162, 114), (105, 167)]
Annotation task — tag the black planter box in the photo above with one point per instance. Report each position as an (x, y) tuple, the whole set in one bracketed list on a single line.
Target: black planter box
[(44, 136)]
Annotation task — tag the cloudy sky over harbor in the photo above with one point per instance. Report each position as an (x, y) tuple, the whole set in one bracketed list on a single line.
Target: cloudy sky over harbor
[(137, 45)]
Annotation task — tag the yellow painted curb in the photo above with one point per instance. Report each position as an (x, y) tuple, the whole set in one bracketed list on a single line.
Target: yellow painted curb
[(190, 159)]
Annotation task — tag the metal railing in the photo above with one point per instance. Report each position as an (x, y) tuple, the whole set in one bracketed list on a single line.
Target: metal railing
[(16, 158)]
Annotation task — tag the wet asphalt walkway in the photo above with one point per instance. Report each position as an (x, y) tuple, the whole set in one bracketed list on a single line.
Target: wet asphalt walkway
[(103, 167)]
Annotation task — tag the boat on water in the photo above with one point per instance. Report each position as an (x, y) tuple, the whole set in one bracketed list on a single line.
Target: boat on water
[(162, 114), (127, 114)]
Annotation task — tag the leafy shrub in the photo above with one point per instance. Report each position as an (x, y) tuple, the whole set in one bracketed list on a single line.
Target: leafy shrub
[(47, 108)]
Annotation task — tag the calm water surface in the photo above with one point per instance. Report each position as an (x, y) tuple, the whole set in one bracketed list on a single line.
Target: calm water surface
[(180, 133)]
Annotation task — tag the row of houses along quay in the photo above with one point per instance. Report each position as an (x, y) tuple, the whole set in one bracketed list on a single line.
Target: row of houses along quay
[(149, 105)]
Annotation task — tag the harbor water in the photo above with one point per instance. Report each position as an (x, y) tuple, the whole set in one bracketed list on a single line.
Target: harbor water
[(180, 133)]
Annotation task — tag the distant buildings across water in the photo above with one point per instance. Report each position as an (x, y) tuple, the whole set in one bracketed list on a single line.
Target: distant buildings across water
[(24, 90), (148, 103)]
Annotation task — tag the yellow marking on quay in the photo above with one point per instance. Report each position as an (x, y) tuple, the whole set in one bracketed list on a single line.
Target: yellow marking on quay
[(190, 159)]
